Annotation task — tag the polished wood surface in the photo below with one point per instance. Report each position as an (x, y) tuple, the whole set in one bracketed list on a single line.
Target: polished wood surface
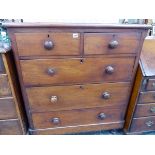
[(31, 44), (144, 110), (98, 43), (133, 100), (7, 108), (35, 72), (77, 117), (10, 127), (77, 96)]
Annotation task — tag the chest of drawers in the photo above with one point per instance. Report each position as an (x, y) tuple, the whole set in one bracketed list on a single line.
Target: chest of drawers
[(141, 113), (12, 118), (76, 77)]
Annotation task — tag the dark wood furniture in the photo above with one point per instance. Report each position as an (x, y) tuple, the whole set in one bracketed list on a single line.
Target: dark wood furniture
[(76, 77), (141, 112), (12, 118)]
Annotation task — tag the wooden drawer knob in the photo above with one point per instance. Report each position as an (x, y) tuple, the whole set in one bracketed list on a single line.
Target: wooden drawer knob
[(101, 116), (109, 70), (48, 44), (152, 109), (55, 120), (54, 99), (113, 44), (51, 71), (106, 95), (149, 123)]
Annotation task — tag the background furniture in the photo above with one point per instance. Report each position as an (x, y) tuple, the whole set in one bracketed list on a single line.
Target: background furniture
[(12, 118), (76, 77), (141, 111)]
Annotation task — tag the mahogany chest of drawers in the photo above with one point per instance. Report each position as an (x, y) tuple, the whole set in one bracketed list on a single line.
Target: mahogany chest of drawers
[(76, 77), (12, 118), (141, 113)]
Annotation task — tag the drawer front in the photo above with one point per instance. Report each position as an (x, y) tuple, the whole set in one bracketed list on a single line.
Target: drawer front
[(2, 70), (78, 96), (143, 124), (147, 97), (63, 71), (39, 44), (143, 110), (111, 43), (10, 127), (7, 109), (150, 85), (77, 117), (4, 86)]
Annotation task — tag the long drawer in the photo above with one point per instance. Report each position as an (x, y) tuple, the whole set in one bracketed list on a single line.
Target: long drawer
[(77, 117), (65, 71), (111, 43), (78, 96), (43, 44), (5, 89), (7, 108)]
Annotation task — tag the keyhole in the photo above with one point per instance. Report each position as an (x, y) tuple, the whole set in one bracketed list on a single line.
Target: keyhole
[(81, 61)]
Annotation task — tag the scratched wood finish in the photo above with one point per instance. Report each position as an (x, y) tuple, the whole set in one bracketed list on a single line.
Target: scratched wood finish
[(35, 72), (98, 43), (31, 44), (140, 124), (5, 89), (77, 117), (144, 110), (10, 127), (7, 108), (151, 85), (77, 96)]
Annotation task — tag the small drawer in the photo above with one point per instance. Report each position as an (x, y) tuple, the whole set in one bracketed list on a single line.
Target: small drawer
[(10, 127), (147, 97), (111, 43), (144, 110), (78, 96), (7, 108), (2, 70), (5, 90), (77, 117), (44, 44), (64, 71), (150, 85), (143, 124)]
